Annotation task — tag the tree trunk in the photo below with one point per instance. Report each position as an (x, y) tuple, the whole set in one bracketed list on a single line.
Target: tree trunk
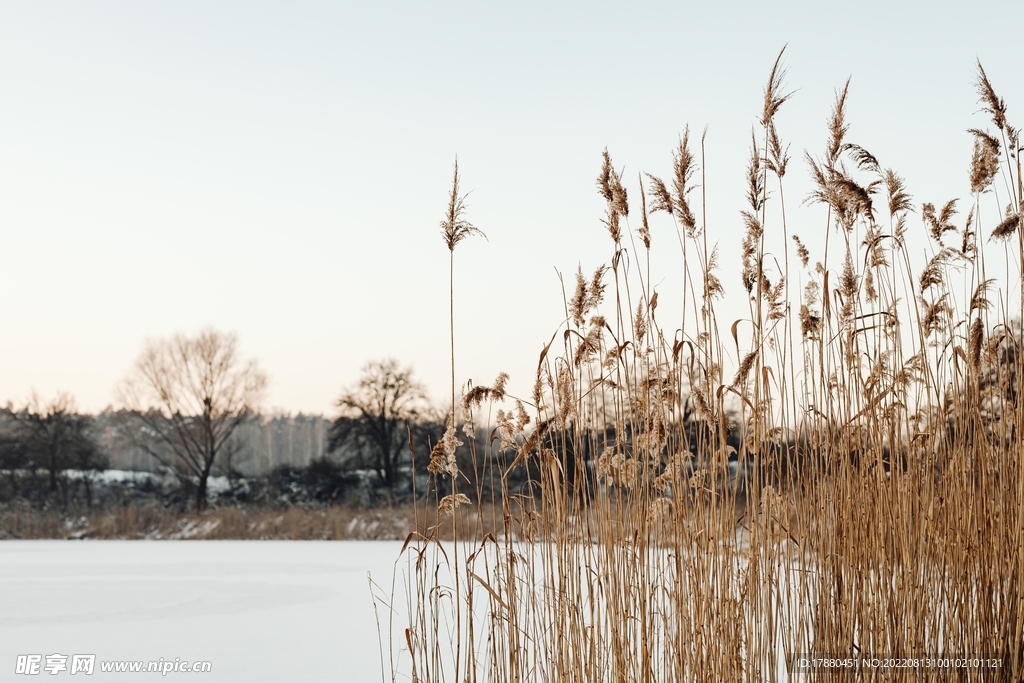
[(387, 475), (389, 469), (53, 471), (382, 472), (201, 490)]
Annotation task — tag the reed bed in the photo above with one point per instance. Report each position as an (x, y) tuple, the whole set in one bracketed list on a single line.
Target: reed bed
[(392, 523), (849, 487)]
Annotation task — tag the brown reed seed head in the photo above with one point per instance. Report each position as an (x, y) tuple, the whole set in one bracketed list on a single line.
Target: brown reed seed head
[(933, 273), (773, 97), (645, 228), (662, 198), (478, 394), (801, 251), (939, 223), (984, 160), (778, 156), (438, 461), (994, 105), (848, 281), (587, 296), (899, 200), (1007, 227), (837, 126), (454, 227), (979, 300), (588, 348), (713, 288), (975, 339), (684, 169), (609, 185), (449, 504), (755, 179), (606, 177), (578, 303), (639, 323), (751, 242), (442, 456)]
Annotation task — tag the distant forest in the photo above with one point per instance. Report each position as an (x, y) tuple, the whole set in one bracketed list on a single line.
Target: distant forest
[(266, 442)]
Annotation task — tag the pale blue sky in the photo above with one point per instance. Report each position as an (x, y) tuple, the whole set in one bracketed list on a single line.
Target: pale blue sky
[(279, 169)]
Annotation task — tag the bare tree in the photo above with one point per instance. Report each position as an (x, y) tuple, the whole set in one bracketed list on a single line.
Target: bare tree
[(54, 436), (374, 415), (191, 394)]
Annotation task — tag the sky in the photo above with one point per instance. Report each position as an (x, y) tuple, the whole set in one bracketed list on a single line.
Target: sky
[(279, 170)]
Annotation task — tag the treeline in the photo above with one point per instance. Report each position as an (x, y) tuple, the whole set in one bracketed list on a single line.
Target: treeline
[(382, 447), (54, 456), (269, 441), (178, 441), (190, 412), (51, 453), (51, 440)]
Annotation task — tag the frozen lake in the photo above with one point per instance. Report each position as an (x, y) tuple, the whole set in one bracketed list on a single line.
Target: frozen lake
[(257, 610)]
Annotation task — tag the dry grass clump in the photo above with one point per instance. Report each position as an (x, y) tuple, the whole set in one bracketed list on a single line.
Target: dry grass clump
[(852, 487), (235, 523)]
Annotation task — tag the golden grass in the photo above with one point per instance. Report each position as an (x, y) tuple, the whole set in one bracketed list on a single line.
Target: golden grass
[(236, 523), (871, 504)]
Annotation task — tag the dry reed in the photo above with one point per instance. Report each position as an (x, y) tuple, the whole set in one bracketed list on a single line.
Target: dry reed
[(853, 491), (235, 523)]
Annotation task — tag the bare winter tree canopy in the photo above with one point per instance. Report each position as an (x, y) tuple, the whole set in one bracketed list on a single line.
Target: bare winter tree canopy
[(191, 393), (374, 413), (50, 435)]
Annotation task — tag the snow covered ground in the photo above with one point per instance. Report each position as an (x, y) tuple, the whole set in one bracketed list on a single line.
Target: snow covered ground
[(297, 611)]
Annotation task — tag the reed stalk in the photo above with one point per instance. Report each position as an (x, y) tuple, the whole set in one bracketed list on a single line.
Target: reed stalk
[(854, 491)]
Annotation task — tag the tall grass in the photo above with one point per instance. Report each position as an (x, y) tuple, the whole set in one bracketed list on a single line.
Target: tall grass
[(852, 487), (21, 521)]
